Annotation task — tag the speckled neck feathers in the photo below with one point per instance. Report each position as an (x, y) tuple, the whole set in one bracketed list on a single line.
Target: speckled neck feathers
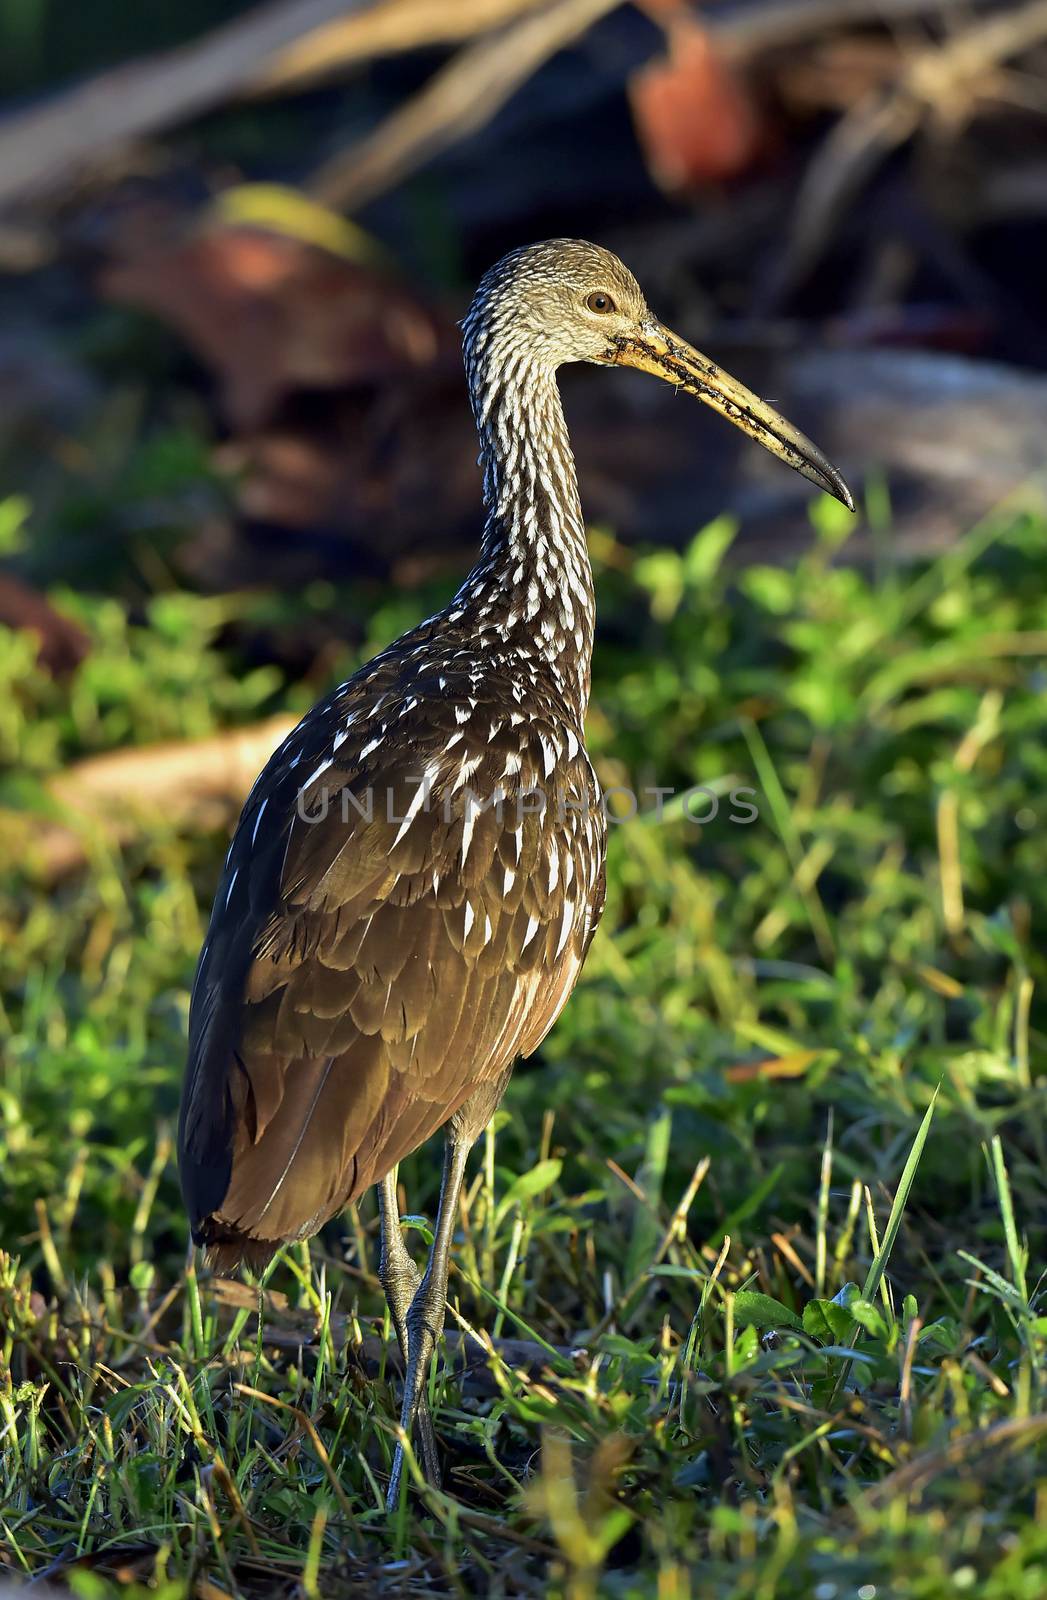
[(531, 592)]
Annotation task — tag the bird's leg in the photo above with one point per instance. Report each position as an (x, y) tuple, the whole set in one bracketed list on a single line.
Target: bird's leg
[(397, 1272), (400, 1279), (425, 1316)]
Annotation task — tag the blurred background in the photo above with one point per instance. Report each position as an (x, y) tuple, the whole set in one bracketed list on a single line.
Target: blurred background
[(236, 458), (236, 454), (235, 242)]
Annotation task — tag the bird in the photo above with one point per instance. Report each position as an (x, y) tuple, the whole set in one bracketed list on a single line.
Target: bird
[(417, 874)]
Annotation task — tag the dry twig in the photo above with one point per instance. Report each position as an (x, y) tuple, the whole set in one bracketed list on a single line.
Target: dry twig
[(275, 46), (460, 98), (753, 29), (281, 45), (195, 782), (388, 29), (943, 81), (70, 133)]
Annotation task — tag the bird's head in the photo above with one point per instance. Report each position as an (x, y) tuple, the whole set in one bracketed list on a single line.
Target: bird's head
[(568, 300)]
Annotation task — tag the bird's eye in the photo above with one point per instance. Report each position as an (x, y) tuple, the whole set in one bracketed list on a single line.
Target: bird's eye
[(601, 302)]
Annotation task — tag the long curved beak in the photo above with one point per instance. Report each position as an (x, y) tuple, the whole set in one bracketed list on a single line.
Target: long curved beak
[(671, 358)]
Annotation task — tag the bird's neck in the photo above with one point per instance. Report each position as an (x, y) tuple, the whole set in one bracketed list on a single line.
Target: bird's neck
[(531, 592)]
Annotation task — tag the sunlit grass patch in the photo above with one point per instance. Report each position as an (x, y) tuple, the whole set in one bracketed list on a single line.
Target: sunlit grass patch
[(733, 1313)]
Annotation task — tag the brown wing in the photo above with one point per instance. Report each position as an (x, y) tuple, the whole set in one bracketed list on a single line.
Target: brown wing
[(401, 947)]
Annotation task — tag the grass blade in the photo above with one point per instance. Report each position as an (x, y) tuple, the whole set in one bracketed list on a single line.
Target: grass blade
[(874, 1276)]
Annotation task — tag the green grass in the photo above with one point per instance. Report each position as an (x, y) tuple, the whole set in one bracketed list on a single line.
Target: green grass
[(768, 1208)]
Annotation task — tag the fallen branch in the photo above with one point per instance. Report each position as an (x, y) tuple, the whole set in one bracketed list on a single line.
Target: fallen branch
[(744, 31), (940, 80), (108, 800), (289, 42), (458, 100), (66, 136), (388, 30), (741, 31), (275, 46)]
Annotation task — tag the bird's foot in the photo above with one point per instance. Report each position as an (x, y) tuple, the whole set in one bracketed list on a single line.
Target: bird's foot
[(423, 1319), (401, 1279)]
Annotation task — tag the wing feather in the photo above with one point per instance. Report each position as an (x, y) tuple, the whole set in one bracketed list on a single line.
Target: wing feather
[(370, 965)]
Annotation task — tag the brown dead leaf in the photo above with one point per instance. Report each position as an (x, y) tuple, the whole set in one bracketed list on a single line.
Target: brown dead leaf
[(63, 644), (790, 1066), (695, 118), (941, 982), (270, 314)]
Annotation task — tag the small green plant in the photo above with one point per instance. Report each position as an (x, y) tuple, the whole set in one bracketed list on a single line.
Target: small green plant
[(762, 1229)]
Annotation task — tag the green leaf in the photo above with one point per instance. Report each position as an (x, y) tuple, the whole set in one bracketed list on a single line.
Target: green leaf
[(528, 1184), (771, 588), (752, 1310), (944, 1332), (831, 520), (894, 1221), (14, 514), (142, 1276), (994, 1282), (420, 1224), (848, 1353), (827, 1321), (24, 791), (869, 1317), (705, 553), (746, 1347), (875, 1274), (1017, 1256), (661, 574), (647, 1228)]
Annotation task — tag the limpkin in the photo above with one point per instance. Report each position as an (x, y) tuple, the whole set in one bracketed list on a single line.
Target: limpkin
[(418, 872)]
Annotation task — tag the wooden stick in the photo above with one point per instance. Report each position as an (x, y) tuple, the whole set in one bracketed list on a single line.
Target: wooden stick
[(457, 100), (389, 29), (70, 133), (939, 77), (275, 46), (112, 798), (284, 43)]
